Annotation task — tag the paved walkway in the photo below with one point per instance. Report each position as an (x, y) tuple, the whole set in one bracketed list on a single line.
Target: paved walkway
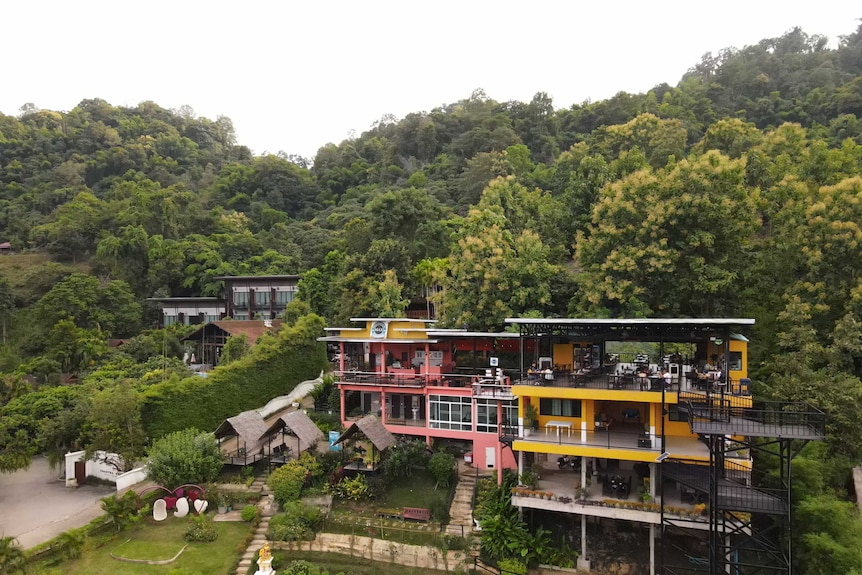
[(38, 507), (266, 505)]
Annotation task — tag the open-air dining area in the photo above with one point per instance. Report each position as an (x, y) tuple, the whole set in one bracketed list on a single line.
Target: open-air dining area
[(639, 381), (611, 485)]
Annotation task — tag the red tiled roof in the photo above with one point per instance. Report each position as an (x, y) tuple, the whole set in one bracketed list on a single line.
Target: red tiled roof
[(252, 329)]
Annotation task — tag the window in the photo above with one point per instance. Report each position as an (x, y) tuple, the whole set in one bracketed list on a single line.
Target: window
[(560, 407), (211, 318), (282, 298), (673, 413), (734, 362), (241, 316), (240, 299), (451, 412), (170, 320), (486, 414), (261, 298)]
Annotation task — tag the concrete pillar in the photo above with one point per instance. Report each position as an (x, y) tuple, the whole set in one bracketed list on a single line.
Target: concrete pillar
[(583, 431), (520, 463), (652, 548), (583, 560), (342, 414), (653, 479), (383, 407), (583, 473)]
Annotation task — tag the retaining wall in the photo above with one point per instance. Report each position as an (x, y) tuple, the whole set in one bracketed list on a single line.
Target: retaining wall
[(382, 550)]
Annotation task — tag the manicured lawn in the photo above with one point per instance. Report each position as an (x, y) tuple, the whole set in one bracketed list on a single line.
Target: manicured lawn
[(415, 491), (337, 563), (158, 542)]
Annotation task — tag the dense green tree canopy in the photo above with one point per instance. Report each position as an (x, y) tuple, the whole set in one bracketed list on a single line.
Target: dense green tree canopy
[(736, 192)]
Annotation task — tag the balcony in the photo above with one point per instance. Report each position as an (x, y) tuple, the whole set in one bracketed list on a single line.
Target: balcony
[(628, 382), (641, 446), (711, 414), (491, 389), (407, 379)]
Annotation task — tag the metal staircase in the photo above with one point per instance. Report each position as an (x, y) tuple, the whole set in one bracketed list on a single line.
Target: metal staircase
[(749, 525)]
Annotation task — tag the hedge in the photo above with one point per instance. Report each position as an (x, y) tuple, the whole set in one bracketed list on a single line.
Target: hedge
[(272, 368)]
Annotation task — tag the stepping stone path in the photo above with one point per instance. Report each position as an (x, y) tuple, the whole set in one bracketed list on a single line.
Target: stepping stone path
[(266, 506), (461, 511)]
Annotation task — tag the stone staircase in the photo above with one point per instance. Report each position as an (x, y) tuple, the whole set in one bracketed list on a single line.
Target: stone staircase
[(266, 506), (461, 510)]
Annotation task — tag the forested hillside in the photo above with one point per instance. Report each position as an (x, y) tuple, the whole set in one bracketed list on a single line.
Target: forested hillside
[(737, 193)]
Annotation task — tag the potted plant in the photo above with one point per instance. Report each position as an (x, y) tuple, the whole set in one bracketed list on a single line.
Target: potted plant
[(221, 501), (531, 418), (530, 479)]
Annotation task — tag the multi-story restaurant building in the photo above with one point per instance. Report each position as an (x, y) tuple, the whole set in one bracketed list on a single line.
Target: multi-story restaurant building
[(655, 423)]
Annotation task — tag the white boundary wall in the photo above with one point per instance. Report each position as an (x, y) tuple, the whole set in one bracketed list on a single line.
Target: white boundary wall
[(98, 466)]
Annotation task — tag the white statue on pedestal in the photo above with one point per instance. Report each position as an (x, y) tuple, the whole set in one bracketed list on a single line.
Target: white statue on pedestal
[(264, 561)]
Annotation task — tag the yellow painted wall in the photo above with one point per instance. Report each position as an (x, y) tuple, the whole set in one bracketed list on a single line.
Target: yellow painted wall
[(562, 354), (395, 330), (741, 346)]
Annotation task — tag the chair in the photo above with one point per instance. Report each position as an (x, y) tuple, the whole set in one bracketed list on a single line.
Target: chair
[(182, 507), (160, 510)]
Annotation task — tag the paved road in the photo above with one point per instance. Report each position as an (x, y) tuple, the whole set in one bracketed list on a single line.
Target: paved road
[(35, 506)]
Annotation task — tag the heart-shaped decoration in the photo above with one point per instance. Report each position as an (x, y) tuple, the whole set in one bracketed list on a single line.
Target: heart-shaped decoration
[(200, 505)]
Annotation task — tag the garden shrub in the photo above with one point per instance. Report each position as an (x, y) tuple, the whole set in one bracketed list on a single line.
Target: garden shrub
[(286, 482), (201, 528), (121, 510), (442, 468), (186, 456), (297, 523), (352, 488), (249, 513), (439, 509), (404, 458), (513, 566)]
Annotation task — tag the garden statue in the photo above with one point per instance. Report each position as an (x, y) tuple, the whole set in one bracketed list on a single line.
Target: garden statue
[(264, 561)]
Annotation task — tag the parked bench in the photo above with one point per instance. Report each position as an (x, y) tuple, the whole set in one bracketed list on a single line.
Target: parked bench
[(416, 514)]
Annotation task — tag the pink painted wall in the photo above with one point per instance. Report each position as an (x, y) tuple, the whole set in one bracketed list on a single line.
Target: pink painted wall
[(481, 441)]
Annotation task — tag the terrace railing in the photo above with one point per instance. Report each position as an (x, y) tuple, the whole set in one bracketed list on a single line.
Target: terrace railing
[(403, 380), (718, 414)]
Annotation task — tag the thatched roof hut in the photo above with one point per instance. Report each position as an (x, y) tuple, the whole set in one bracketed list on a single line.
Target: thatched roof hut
[(372, 428), (297, 424)]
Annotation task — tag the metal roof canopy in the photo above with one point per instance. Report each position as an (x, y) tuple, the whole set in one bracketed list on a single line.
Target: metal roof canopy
[(345, 339), (637, 329)]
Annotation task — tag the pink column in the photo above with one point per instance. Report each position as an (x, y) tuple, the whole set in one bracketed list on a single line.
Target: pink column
[(499, 445), (341, 413)]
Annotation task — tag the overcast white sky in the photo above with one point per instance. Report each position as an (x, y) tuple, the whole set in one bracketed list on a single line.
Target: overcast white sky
[(295, 75)]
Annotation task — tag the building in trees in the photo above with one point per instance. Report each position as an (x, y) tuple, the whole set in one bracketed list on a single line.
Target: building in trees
[(257, 297), (434, 384), (243, 298), (209, 340), (189, 310), (657, 422)]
